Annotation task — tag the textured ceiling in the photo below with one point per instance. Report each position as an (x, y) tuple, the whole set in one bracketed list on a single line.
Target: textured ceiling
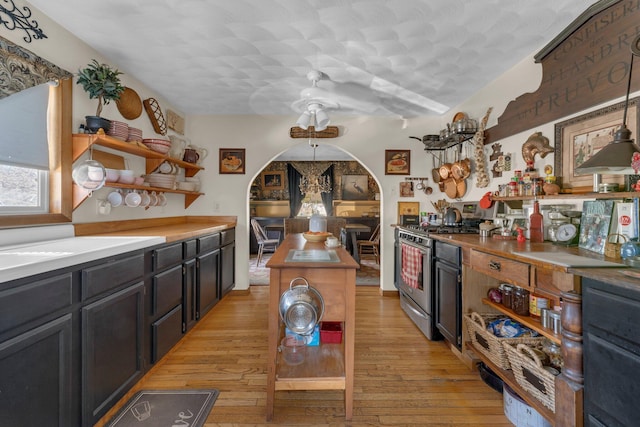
[(383, 57)]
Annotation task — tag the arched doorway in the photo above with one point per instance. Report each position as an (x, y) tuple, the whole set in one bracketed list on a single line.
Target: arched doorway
[(356, 198)]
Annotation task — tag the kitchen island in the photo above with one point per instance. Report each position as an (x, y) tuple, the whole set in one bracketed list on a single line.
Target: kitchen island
[(332, 272)]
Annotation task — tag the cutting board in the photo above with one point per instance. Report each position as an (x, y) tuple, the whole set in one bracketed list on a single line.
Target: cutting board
[(568, 260)]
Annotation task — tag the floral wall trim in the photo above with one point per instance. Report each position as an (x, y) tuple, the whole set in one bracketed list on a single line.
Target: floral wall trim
[(22, 69)]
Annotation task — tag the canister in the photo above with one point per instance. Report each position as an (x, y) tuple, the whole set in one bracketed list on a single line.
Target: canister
[(521, 301), (544, 317), (555, 321), (507, 294)]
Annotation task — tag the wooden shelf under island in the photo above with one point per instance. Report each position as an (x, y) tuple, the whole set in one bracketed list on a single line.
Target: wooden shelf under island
[(332, 272)]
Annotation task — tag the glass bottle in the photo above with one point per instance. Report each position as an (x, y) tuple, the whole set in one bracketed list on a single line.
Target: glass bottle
[(536, 231)]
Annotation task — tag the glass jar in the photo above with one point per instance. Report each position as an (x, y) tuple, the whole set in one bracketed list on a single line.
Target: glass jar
[(553, 350), (507, 294), (521, 301)]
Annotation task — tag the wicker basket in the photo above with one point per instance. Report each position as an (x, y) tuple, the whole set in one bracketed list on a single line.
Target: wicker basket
[(531, 375), (490, 345), (612, 248)]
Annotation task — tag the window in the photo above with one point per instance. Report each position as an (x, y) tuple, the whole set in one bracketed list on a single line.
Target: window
[(23, 190)]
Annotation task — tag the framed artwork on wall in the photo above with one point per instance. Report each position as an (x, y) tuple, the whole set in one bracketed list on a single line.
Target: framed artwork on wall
[(232, 160), (355, 187), (406, 189), (397, 162), (273, 180), (578, 139)]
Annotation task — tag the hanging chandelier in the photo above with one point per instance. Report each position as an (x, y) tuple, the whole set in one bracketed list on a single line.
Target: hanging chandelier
[(313, 182)]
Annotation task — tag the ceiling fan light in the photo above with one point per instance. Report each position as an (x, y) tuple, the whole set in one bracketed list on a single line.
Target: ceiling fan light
[(322, 120), (304, 120)]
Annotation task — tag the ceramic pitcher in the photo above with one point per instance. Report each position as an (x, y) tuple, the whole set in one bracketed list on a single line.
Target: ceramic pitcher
[(202, 152)]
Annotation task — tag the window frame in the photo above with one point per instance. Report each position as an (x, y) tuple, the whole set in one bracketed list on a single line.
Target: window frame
[(60, 163)]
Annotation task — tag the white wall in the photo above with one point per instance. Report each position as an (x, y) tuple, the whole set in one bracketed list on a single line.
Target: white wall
[(265, 137)]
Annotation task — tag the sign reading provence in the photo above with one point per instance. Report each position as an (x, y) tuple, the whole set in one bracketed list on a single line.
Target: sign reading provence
[(586, 65)]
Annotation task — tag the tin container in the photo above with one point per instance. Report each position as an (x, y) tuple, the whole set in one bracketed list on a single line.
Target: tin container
[(536, 304), (555, 322)]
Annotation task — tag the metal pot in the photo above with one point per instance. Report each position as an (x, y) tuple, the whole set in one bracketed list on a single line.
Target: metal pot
[(301, 307)]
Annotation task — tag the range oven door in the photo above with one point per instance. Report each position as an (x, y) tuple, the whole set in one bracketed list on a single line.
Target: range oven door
[(417, 302)]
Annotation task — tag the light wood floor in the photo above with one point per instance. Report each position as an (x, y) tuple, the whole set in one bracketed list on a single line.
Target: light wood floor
[(401, 378)]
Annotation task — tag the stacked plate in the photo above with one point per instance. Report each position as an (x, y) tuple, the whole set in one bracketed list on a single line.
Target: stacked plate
[(119, 130), (135, 134), (160, 145), (161, 180)]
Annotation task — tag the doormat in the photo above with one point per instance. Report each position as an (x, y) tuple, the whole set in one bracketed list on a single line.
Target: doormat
[(153, 408)]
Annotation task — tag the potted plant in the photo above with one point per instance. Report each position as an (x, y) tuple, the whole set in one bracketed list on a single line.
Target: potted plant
[(102, 82)]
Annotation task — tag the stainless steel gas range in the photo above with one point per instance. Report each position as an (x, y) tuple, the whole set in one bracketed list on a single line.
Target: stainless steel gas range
[(429, 287)]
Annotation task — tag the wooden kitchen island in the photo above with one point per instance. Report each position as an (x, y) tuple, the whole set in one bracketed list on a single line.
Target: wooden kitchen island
[(332, 272)]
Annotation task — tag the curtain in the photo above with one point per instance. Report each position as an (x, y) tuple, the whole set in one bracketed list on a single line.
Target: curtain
[(295, 196), (327, 198)]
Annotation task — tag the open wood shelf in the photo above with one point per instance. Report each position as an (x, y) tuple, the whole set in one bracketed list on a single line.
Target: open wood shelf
[(527, 321), (590, 195), (83, 142), (510, 380)]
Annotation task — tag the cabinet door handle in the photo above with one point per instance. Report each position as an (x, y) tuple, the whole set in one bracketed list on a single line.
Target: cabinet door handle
[(494, 265)]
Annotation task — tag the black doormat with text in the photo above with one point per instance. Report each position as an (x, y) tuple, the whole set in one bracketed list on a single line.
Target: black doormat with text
[(151, 408)]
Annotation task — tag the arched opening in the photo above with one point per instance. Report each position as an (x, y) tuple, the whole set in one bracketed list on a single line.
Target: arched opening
[(356, 196)]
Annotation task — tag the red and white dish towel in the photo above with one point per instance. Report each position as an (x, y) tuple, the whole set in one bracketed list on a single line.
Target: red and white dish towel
[(411, 265)]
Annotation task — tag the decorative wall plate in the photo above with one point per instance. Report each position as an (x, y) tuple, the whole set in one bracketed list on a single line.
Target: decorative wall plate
[(129, 104)]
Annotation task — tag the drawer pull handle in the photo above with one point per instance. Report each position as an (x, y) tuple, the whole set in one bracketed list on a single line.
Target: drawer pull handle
[(494, 265)]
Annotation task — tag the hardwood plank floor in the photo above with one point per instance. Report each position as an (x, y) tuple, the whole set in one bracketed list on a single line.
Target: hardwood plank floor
[(401, 378)]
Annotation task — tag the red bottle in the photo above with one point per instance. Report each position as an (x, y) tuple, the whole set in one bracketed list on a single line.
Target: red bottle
[(536, 231)]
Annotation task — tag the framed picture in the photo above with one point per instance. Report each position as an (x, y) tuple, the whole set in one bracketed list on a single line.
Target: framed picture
[(273, 180), (397, 162), (594, 224), (232, 160), (578, 139), (355, 187), (406, 189)]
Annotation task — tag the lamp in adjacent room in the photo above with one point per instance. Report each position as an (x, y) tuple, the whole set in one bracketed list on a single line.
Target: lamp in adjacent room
[(615, 157)]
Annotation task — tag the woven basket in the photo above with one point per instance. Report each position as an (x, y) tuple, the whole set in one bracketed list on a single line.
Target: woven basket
[(531, 375), (612, 248), (490, 345)]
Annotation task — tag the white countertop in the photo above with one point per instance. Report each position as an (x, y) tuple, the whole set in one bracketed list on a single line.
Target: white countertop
[(19, 260)]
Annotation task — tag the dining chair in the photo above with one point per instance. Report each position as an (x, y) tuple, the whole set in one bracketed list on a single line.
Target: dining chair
[(370, 246), (264, 242)]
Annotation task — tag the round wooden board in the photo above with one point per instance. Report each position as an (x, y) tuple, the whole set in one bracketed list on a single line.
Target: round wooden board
[(129, 104)]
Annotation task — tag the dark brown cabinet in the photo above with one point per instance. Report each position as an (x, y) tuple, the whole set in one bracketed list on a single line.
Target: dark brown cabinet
[(611, 315), (36, 377), (448, 291), (112, 349)]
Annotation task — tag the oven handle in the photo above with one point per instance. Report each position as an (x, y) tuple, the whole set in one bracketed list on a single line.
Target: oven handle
[(424, 249), (409, 305)]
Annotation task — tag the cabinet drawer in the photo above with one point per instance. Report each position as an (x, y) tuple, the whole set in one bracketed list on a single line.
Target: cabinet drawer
[(503, 269), (34, 300), (167, 331), (228, 236), (167, 290), (208, 243), (111, 274), (167, 256), (190, 248)]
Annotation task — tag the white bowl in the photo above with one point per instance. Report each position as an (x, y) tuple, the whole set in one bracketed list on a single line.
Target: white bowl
[(127, 177), (113, 175)]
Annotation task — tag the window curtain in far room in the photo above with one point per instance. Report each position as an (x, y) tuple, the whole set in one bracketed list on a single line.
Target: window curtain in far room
[(327, 198), (295, 196)]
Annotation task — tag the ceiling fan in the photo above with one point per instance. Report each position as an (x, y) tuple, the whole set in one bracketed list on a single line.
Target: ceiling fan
[(313, 102)]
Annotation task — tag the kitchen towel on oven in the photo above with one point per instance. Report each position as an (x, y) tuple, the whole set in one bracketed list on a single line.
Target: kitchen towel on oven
[(411, 265)]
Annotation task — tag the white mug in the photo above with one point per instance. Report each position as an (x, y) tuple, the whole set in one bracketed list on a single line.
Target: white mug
[(133, 199), (162, 199), (153, 199), (332, 241), (145, 199), (115, 198)]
